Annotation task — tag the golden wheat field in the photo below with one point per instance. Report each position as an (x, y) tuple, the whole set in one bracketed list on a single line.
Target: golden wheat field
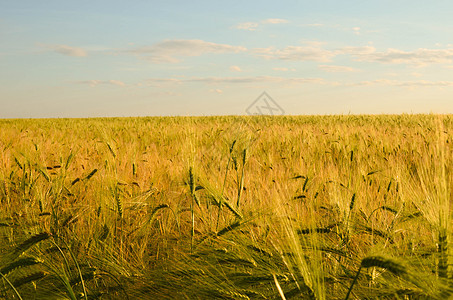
[(258, 207)]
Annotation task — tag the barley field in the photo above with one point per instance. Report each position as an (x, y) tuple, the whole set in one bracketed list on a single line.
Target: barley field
[(256, 207)]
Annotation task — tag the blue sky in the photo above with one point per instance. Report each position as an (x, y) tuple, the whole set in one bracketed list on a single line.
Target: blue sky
[(146, 58)]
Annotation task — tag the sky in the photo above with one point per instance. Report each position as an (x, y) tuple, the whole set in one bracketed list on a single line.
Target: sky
[(99, 58)]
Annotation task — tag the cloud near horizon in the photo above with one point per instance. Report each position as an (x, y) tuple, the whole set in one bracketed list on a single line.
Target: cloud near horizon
[(418, 57), (335, 69), (274, 21), (67, 50), (296, 53), (313, 51), (283, 69), (160, 82), (235, 69), (169, 51), (296, 80), (401, 83), (252, 26), (172, 51), (94, 83), (237, 80)]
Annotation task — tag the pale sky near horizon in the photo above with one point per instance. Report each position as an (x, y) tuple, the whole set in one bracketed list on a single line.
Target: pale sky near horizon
[(93, 58)]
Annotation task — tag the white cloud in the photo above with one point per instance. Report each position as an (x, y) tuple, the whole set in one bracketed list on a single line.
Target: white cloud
[(116, 82), (411, 84), (67, 50), (356, 30), (253, 80), (316, 44), (241, 80), (418, 57), (169, 51), (296, 53), (94, 83), (283, 69), (333, 68), (274, 21), (235, 69), (159, 82), (357, 51), (251, 26), (419, 83)]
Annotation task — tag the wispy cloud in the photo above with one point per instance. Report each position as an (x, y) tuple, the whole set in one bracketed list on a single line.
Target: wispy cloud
[(334, 68), (274, 21), (400, 83), (117, 82), (66, 50), (239, 80), (314, 25), (251, 26), (296, 53), (356, 30), (289, 81), (94, 83), (235, 69), (283, 69), (356, 51), (316, 52), (255, 79), (169, 51), (418, 57)]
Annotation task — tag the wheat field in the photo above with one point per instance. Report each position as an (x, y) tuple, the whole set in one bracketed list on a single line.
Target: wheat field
[(256, 207)]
